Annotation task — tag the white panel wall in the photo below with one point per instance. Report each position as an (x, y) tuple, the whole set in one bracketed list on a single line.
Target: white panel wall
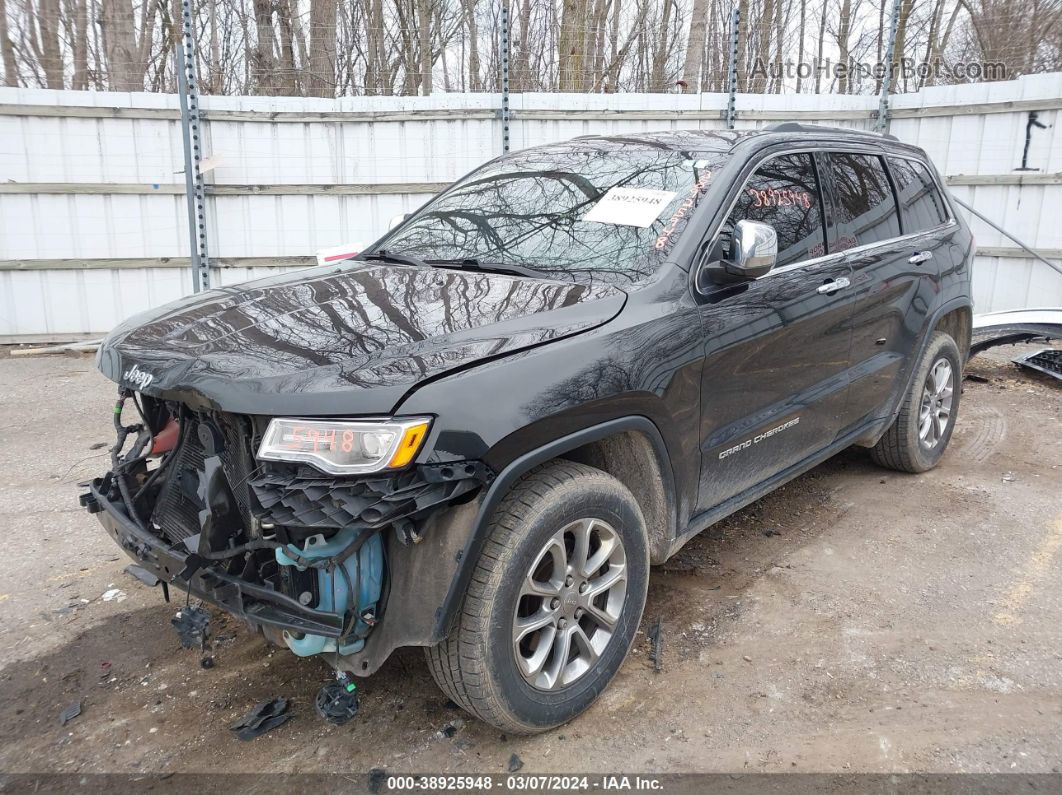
[(448, 136)]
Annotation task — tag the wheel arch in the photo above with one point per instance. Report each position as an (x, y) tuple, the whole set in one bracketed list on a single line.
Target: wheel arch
[(954, 317), (957, 322), (617, 447)]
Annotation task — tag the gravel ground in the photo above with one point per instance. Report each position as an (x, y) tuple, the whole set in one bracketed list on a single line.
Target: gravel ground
[(856, 620)]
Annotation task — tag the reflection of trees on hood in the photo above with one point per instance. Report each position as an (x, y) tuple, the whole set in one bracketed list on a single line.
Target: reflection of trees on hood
[(527, 209), (353, 316)]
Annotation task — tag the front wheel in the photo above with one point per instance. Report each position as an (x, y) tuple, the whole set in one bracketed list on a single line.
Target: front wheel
[(554, 602), (920, 434)]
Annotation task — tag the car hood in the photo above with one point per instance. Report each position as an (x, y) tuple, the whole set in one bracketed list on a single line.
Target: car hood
[(347, 340)]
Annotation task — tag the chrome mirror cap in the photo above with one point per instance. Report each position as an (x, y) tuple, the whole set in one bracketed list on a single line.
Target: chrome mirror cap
[(754, 249)]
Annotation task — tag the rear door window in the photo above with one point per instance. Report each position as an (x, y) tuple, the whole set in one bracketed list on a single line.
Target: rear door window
[(783, 192), (864, 209), (921, 204)]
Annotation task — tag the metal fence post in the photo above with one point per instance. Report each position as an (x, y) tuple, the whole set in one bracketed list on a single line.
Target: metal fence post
[(882, 123), (505, 37), (731, 72), (191, 132)]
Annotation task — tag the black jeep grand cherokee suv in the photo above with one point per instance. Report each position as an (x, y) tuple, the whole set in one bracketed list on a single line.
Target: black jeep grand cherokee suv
[(479, 435)]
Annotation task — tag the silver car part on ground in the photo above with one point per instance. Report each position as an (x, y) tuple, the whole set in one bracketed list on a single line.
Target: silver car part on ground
[(1014, 325)]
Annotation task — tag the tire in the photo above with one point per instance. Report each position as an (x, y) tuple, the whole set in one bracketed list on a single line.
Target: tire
[(477, 665), (908, 446)]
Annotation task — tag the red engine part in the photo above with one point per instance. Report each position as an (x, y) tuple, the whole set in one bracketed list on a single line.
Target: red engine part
[(166, 439)]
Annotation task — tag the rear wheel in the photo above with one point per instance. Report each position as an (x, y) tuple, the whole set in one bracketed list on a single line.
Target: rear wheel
[(917, 439), (554, 602)]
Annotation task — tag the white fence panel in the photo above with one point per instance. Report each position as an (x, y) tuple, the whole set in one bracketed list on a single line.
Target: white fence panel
[(93, 217)]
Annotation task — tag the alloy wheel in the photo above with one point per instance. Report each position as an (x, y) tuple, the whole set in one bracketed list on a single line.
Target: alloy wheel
[(937, 396), (570, 603)]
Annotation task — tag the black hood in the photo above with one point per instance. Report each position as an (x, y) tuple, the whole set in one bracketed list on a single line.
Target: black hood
[(346, 340)]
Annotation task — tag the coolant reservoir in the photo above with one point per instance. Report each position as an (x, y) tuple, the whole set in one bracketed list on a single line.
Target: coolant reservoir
[(365, 570)]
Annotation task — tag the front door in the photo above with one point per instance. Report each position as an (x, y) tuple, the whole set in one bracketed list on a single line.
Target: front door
[(776, 348)]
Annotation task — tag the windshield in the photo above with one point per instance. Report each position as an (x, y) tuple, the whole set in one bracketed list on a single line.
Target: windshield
[(601, 210)]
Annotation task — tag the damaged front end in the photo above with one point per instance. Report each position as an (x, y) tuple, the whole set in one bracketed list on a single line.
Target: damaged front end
[(298, 553)]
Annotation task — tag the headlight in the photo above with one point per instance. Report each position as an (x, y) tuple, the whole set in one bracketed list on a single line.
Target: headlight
[(345, 447)]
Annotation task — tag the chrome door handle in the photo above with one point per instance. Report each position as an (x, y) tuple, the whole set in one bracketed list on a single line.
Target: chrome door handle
[(920, 256), (833, 285)]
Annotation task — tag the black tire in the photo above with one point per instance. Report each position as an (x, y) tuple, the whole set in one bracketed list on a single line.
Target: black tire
[(901, 448), (476, 666)]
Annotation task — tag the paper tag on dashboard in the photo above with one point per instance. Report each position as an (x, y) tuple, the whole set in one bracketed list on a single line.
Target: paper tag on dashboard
[(630, 206)]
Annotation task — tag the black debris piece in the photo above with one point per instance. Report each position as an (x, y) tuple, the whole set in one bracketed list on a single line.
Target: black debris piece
[(449, 729), (70, 711), (97, 446), (206, 662), (977, 379), (377, 778), (142, 574), (262, 717), (193, 627), (515, 763), (656, 646), (770, 533), (337, 702)]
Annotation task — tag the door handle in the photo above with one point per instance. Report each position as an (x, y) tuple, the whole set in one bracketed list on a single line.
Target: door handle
[(920, 256), (833, 285)]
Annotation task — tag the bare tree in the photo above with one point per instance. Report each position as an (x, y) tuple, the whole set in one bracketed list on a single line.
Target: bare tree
[(691, 66), (321, 79), (7, 49)]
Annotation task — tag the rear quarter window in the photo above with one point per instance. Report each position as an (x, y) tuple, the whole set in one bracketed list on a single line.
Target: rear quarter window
[(921, 204)]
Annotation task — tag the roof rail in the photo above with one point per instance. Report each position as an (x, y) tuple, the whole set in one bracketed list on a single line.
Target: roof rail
[(795, 127)]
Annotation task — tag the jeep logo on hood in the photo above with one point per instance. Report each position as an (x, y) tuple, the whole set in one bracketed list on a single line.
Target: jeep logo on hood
[(137, 377)]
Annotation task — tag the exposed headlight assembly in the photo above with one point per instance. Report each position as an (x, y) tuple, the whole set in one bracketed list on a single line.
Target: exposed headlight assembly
[(345, 447)]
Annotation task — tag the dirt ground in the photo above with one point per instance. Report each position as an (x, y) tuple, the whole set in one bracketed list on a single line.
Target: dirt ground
[(856, 620)]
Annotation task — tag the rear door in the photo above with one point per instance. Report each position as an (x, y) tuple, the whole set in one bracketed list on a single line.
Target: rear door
[(894, 273), (776, 348)]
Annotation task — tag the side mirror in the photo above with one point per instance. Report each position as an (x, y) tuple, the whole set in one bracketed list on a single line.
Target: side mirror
[(753, 250), (396, 220)]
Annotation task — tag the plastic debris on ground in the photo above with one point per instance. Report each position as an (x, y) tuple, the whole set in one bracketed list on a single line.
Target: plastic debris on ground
[(1048, 361), (263, 717), (114, 595), (450, 729), (515, 763), (193, 627), (70, 711), (656, 646), (337, 702)]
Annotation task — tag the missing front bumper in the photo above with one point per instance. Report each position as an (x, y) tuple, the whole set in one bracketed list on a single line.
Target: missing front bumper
[(185, 570)]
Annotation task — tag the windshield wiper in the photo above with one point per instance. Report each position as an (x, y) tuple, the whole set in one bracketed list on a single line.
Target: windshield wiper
[(470, 264), (382, 255), (467, 264)]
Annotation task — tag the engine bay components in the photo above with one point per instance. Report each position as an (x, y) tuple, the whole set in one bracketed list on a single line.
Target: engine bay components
[(282, 545), (351, 585)]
